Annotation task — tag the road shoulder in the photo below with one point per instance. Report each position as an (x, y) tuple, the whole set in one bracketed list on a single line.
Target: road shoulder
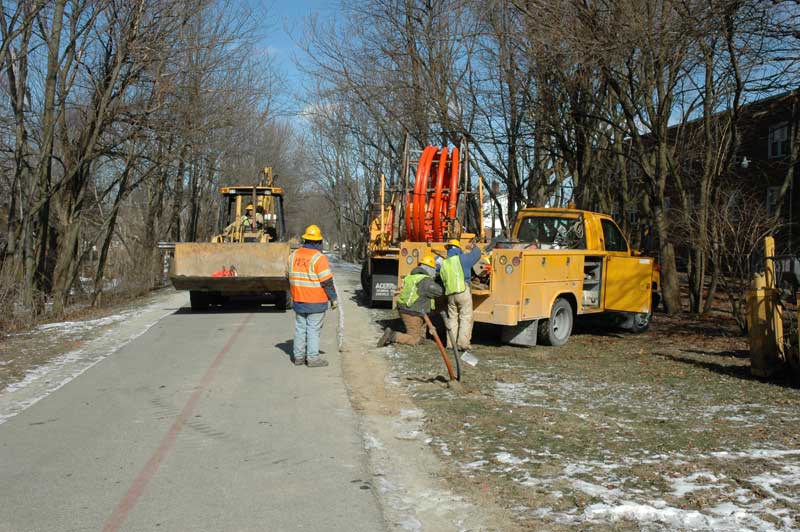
[(408, 477)]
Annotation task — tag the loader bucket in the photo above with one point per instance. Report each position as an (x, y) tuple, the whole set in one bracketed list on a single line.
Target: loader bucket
[(260, 267)]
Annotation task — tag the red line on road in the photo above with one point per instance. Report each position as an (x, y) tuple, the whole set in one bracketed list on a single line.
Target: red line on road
[(168, 442)]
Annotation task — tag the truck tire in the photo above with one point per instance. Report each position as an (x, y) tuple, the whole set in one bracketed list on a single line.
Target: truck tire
[(555, 331), (639, 322), (282, 300), (366, 282), (198, 300)]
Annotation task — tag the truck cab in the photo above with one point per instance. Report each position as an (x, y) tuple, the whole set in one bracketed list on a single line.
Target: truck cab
[(559, 264)]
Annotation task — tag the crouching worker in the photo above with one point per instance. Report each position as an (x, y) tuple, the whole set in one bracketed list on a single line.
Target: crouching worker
[(415, 300)]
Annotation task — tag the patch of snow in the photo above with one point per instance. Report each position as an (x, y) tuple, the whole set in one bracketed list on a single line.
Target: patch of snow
[(684, 485), (477, 464), (768, 482), (79, 326), (371, 442), (757, 453), (508, 458), (674, 518)]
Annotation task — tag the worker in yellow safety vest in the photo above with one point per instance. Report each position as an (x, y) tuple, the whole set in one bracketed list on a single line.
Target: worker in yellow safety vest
[(311, 286), (456, 273), (415, 300)]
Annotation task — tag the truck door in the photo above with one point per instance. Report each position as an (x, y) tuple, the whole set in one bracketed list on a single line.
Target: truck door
[(627, 279)]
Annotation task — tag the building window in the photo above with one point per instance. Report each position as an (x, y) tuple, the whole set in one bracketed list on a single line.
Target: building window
[(778, 140)]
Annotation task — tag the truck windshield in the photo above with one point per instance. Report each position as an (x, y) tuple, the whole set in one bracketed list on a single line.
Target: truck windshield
[(549, 232)]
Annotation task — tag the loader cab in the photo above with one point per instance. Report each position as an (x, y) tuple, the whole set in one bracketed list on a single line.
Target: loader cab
[(266, 223)]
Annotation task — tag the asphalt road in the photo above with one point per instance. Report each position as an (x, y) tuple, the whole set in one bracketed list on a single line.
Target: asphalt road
[(201, 423)]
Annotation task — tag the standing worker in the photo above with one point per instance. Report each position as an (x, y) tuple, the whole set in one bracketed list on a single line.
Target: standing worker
[(415, 300), (456, 273), (311, 285)]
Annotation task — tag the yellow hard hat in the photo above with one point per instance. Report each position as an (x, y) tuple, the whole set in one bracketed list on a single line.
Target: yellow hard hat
[(313, 232), (249, 207), (454, 242), (428, 260)]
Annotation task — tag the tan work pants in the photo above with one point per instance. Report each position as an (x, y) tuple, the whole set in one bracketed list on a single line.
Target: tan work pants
[(415, 330), (459, 317)]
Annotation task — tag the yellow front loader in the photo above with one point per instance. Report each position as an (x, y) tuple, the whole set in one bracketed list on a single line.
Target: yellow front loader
[(247, 258)]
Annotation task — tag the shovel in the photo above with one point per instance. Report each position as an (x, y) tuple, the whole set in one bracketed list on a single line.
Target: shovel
[(340, 322), (442, 350), (466, 356)]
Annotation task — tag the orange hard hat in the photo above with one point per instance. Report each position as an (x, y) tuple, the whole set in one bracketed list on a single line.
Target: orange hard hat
[(313, 232)]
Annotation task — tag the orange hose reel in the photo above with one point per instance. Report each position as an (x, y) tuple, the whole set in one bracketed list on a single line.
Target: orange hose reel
[(435, 196)]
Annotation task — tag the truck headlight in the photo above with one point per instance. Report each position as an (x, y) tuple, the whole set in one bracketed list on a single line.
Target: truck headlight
[(409, 259), (509, 269)]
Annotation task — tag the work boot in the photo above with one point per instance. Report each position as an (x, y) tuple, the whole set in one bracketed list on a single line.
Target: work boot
[(299, 361), (387, 337), (316, 363)]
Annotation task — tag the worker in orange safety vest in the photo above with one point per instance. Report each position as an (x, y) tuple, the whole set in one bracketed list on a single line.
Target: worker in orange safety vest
[(311, 286)]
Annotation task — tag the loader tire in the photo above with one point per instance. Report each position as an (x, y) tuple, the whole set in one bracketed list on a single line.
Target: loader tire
[(555, 331), (199, 300)]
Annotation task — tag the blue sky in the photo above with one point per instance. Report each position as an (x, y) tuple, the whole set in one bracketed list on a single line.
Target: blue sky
[(282, 18)]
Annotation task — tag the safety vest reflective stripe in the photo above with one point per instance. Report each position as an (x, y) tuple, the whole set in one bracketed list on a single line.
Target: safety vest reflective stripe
[(452, 274), (410, 293), (324, 274), (305, 281)]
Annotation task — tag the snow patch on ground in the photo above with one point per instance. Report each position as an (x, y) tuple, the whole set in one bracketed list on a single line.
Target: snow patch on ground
[(41, 381), (773, 496)]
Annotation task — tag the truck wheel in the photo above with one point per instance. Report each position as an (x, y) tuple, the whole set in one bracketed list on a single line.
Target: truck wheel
[(556, 330), (282, 300), (366, 285), (198, 300), (639, 322)]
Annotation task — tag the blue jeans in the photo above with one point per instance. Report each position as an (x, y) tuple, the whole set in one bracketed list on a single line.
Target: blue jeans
[(306, 334)]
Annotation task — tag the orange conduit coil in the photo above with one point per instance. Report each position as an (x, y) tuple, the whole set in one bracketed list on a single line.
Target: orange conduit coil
[(435, 196)]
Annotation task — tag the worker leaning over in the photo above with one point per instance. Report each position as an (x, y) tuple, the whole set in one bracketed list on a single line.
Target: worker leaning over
[(415, 300), (311, 285), (456, 273)]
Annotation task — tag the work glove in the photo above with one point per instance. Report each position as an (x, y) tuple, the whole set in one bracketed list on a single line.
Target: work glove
[(334, 304)]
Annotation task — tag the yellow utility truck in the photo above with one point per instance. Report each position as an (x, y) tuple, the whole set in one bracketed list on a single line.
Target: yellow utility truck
[(248, 258), (558, 264), (379, 270)]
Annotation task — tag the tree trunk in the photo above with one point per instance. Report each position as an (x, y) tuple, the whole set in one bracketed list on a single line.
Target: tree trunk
[(670, 288), (177, 200)]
